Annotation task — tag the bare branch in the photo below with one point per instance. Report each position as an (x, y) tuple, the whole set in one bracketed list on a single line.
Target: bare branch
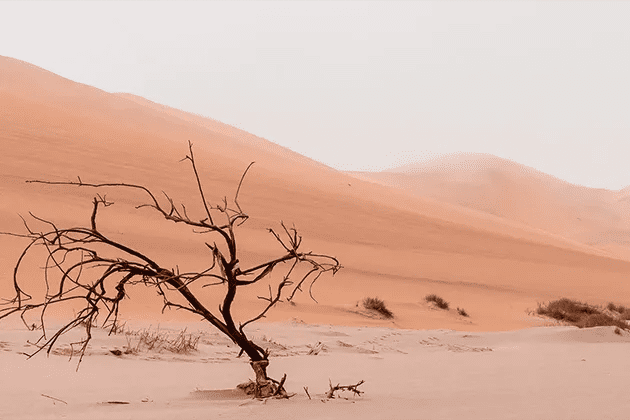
[(239, 187), (354, 388), (191, 158)]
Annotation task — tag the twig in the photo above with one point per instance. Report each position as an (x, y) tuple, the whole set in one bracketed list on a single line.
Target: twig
[(280, 390), (239, 187), (191, 158), (55, 399)]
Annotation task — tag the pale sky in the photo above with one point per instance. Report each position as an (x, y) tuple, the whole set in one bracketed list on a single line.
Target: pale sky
[(363, 85)]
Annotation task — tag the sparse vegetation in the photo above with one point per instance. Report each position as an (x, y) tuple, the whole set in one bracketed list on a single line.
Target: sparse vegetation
[(158, 341), (439, 302), (580, 314), (462, 312), (377, 305)]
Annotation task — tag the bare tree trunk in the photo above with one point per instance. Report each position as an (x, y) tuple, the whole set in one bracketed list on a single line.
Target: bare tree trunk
[(263, 386)]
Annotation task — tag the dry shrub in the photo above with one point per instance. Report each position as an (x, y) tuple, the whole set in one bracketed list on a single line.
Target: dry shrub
[(580, 314), (377, 305), (624, 313), (184, 343), (462, 312), (441, 303), (614, 308), (597, 320), (567, 310)]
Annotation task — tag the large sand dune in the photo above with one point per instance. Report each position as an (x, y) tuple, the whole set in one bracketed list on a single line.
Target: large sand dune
[(392, 244)]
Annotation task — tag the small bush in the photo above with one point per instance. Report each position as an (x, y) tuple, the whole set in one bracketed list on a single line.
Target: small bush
[(441, 303), (462, 312), (376, 304), (567, 310), (582, 315)]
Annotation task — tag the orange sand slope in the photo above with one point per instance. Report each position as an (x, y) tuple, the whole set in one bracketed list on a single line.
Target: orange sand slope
[(497, 186), (392, 244)]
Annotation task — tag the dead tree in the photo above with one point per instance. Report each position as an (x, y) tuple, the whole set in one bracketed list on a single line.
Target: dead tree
[(99, 282)]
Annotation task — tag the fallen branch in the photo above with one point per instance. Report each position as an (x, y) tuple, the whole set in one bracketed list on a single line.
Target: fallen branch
[(54, 399), (315, 349), (354, 388)]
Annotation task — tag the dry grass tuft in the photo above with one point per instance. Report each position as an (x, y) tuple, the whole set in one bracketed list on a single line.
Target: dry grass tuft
[(377, 305), (116, 328), (462, 312), (439, 302), (158, 341)]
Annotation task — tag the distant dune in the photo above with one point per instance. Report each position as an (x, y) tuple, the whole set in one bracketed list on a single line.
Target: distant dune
[(594, 217), (494, 257)]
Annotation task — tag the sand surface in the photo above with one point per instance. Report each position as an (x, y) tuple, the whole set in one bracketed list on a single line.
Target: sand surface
[(538, 373), (496, 263)]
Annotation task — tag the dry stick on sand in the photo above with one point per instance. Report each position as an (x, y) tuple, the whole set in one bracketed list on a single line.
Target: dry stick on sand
[(54, 399), (331, 392), (85, 266)]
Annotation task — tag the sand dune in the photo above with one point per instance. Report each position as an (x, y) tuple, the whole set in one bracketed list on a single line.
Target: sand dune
[(595, 217), (392, 244)]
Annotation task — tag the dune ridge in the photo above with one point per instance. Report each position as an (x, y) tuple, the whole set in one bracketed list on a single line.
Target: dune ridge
[(511, 191)]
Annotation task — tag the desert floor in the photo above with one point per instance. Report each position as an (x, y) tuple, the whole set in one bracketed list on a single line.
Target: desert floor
[(537, 373)]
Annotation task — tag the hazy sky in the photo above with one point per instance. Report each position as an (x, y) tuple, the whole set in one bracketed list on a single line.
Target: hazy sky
[(362, 85)]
